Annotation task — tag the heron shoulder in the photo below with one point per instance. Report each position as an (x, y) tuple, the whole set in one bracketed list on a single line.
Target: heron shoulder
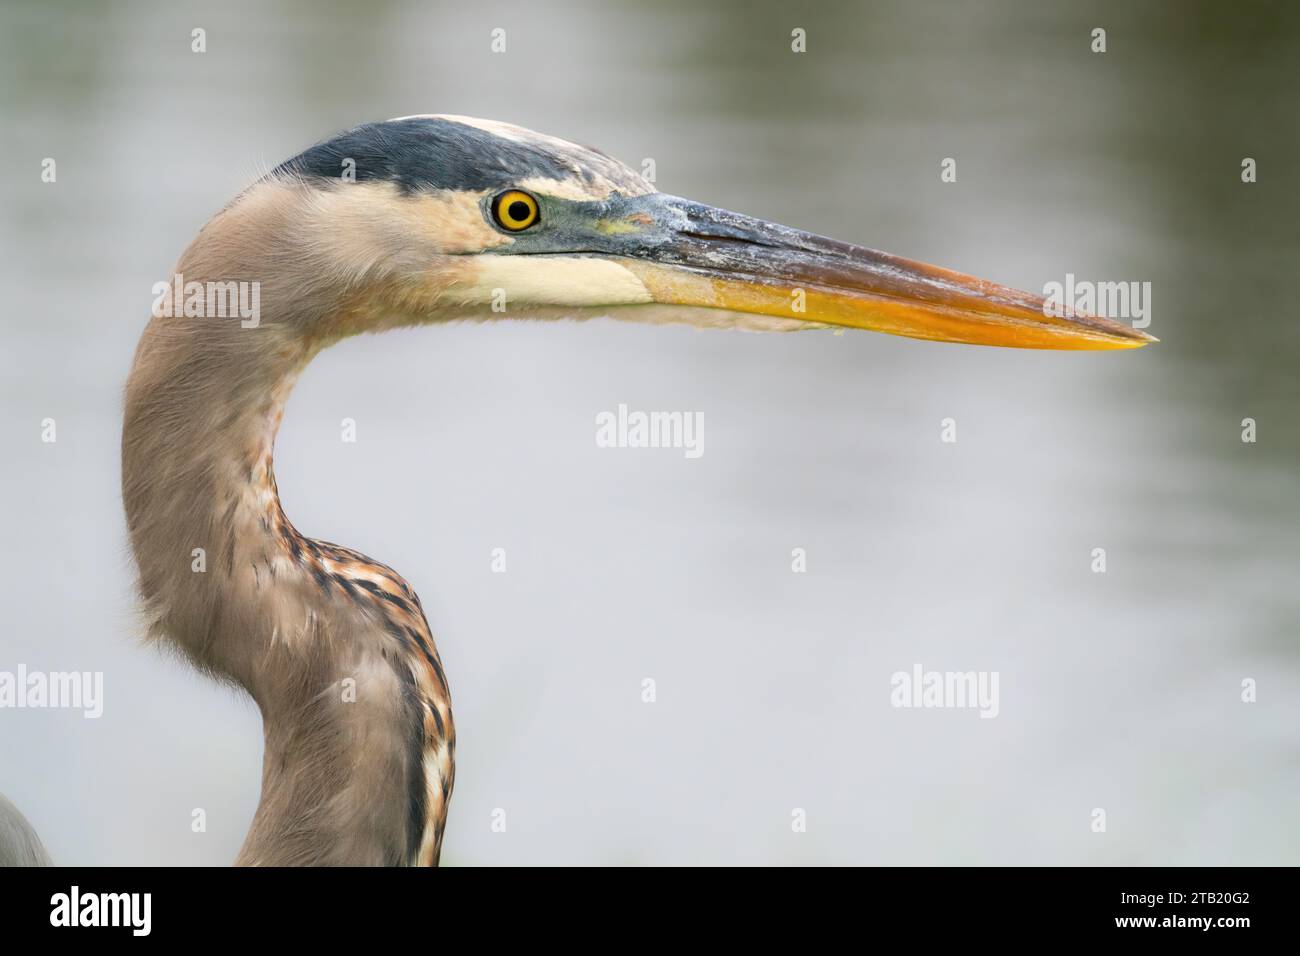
[(19, 844)]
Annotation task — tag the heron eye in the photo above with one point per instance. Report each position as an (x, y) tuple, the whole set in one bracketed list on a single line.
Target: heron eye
[(515, 210)]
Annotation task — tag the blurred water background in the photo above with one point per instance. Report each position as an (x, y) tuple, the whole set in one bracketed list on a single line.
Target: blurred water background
[(1118, 691)]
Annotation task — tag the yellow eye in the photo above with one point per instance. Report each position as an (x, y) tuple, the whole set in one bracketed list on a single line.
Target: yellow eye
[(514, 210)]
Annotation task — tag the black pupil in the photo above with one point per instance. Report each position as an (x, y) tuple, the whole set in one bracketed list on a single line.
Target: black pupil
[(518, 210)]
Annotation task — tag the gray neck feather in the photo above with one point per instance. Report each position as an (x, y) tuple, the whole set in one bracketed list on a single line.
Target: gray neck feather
[(202, 406)]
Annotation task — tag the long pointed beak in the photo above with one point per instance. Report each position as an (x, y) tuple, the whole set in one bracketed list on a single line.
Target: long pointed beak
[(690, 254)]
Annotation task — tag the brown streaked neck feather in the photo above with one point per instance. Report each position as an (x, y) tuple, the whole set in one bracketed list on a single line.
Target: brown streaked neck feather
[(359, 742)]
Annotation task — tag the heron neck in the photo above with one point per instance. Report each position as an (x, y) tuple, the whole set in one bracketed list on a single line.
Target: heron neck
[(334, 649), (202, 408), (358, 763)]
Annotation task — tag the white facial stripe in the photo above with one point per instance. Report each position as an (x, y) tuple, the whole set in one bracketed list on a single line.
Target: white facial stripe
[(550, 281), (564, 188), (505, 130)]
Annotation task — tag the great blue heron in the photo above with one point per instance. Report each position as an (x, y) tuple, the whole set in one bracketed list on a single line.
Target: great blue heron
[(422, 220)]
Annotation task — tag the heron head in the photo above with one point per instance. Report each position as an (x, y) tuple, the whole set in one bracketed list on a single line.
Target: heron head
[(456, 217)]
